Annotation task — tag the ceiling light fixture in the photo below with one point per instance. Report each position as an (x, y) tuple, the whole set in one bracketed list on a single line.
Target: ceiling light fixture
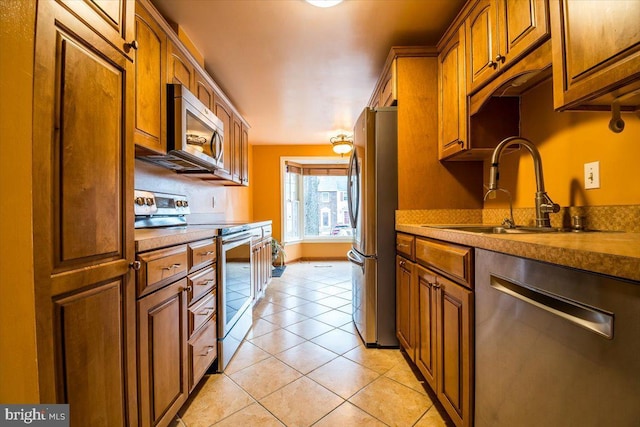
[(342, 144), (324, 3)]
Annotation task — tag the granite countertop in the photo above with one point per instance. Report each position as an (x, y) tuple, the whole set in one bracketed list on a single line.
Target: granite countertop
[(611, 253), (155, 238)]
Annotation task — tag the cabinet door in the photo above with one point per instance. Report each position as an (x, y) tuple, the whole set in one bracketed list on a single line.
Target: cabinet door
[(236, 164), (113, 19), (453, 96), (223, 111), (405, 298), (83, 227), (482, 44), (585, 68), (455, 350), (244, 156), (179, 69), (523, 24), (150, 88), (426, 342), (203, 91), (162, 351)]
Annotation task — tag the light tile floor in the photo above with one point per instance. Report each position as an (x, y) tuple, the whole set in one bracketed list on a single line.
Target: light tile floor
[(303, 364)]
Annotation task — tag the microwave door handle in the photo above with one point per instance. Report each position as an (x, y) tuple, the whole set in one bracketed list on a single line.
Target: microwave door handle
[(217, 153)]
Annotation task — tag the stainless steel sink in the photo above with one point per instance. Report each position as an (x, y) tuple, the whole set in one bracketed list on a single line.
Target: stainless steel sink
[(495, 229)]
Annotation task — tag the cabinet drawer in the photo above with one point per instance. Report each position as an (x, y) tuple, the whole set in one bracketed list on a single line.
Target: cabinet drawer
[(201, 254), (201, 283), (161, 267), (267, 231), (202, 351), (201, 311), (405, 245), (451, 260)]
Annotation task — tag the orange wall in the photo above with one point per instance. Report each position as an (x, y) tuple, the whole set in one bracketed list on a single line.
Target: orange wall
[(266, 184), (18, 364), (566, 141)]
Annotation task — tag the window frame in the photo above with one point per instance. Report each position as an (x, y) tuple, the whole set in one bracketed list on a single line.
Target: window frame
[(311, 160)]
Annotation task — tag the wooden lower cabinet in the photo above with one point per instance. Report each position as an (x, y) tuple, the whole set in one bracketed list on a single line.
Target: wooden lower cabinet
[(162, 351), (177, 330), (261, 265), (434, 318), (405, 300), (426, 355), (454, 362)]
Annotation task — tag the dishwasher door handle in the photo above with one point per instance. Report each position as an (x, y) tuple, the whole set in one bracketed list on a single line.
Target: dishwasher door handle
[(590, 318)]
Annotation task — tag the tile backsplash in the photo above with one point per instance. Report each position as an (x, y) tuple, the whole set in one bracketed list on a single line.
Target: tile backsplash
[(610, 218)]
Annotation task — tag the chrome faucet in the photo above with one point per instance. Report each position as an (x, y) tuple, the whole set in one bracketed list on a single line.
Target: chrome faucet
[(544, 204)]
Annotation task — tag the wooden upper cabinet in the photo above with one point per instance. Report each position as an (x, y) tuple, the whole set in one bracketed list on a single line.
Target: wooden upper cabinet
[(112, 19), (452, 96), (389, 90), (179, 67), (499, 33), (482, 43), (522, 24), (236, 165), (596, 53), (244, 169), (203, 91), (150, 89), (223, 111)]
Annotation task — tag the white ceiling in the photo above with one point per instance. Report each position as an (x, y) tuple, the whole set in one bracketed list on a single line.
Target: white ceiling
[(300, 74)]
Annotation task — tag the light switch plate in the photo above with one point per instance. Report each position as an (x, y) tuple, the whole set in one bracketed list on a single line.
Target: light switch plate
[(591, 175)]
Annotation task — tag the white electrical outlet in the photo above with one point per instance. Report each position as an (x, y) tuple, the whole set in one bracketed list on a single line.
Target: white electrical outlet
[(592, 175)]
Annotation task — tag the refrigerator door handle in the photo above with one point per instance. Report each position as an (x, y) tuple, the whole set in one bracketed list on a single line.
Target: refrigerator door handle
[(354, 258), (353, 200)]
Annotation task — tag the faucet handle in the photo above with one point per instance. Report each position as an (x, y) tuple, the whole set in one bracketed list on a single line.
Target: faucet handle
[(550, 207)]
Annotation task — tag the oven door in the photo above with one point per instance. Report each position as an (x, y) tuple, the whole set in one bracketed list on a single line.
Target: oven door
[(235, 292)]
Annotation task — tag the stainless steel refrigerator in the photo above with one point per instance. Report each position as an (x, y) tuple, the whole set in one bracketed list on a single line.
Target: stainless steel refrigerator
[(373, 200)]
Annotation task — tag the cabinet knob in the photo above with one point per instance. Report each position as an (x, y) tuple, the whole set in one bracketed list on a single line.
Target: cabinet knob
[(402, 263), (500, 59), (493, 64), (188, 289), (135, 265), (131, 45)]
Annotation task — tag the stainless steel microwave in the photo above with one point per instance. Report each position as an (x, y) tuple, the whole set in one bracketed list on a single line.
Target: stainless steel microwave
[(194, 135)]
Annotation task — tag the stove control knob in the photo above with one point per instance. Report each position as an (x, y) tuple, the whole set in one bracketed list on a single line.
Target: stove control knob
[(185, 203), (150, 201), (179, 203), (140, 201)]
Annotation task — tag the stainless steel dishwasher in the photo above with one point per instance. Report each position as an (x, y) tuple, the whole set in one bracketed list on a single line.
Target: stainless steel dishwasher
[(554, 346)]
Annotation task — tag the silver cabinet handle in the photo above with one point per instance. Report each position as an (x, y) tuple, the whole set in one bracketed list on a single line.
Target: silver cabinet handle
[(207, 253), (209, 350), (171, 267)]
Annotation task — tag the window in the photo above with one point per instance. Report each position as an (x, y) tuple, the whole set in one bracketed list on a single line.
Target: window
[(315, 201), (292, 203)]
